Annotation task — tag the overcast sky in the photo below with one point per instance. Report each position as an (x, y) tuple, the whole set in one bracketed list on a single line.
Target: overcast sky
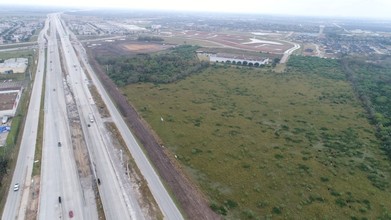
[(344, 8)]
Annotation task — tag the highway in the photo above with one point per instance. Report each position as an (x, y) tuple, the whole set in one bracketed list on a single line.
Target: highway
[(16, 204), (163, 199), (117, 202), (59, 176)]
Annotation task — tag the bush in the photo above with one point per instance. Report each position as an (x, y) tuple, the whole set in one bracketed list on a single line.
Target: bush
[(277, 210), (340, 202), (218, 209), (324, 179), (230, 204)]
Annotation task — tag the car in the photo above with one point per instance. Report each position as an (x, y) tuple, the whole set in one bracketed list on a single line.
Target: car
[(59, 144), (16, 187), (70, 214)]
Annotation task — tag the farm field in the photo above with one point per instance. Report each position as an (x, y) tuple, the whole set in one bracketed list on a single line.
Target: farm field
[(260, 144)]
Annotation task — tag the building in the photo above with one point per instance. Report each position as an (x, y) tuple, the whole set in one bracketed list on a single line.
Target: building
[(238, 59), (14, 65)]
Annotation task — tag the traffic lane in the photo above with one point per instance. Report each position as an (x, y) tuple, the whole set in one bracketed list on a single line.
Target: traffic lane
[(26, 152), (162, 197)]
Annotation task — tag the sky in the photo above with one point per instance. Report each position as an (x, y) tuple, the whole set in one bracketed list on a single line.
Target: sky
[(339, 8)]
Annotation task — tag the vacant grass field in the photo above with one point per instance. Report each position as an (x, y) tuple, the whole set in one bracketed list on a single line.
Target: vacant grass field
[(261, 145)]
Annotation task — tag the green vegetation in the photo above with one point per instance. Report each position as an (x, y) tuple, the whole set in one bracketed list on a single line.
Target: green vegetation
[(263, 145), (17, 53), (149, 38), (165, 67), (41, 124), (372, 84)]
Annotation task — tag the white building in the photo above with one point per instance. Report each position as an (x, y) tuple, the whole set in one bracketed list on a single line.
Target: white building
[(17, 65), (239, 60)]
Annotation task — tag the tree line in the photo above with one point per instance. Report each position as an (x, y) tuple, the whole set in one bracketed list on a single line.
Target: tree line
[(149, 38), (372, 85)]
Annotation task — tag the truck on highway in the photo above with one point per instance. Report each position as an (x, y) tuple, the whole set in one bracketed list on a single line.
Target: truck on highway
[(91, 117)]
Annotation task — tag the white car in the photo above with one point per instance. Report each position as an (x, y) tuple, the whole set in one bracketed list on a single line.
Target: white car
[(16, 187)]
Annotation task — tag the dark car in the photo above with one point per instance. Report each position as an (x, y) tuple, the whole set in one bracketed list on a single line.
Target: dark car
[(59, 144)]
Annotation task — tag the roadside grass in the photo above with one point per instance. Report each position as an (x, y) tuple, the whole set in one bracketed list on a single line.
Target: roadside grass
[(104, 113), (34, 38), (39, 142), (13, 77), (16, 54), (261, 144), (280, 68), (41, 122), (148, 201)]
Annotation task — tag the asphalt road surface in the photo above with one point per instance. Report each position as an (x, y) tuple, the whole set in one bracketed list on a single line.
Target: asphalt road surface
[(163, 199), (59, 172), (117, 203), (16, 204)]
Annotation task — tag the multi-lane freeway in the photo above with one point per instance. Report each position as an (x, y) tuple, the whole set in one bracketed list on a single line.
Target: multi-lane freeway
[(16, 203), (116, 202), (164, 200), (64, 193), (61, 189)]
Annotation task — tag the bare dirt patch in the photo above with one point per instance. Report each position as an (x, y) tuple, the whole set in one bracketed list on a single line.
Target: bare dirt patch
[(120, 48), (7, 100), (142, 47), (32, 208)]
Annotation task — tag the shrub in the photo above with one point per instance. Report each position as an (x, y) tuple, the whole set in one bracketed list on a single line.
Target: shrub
[(277, 210), (324, 179), (340, 202)]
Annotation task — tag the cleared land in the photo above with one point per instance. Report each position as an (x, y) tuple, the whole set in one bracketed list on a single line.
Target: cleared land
[(143, 47), (7, 100), (242, 41), (261, 144), (120, 48)]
